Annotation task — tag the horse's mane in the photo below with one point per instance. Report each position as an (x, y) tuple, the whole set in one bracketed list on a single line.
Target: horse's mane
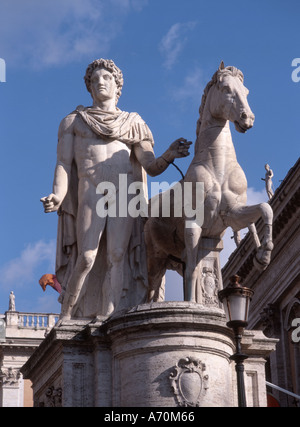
[(233, 71)]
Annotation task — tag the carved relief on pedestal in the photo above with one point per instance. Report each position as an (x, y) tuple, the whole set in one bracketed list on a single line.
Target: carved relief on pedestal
[(189, 382), (210, 287)]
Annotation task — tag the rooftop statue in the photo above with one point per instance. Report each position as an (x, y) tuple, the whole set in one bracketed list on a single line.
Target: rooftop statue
[(269, 182), (12, 302)]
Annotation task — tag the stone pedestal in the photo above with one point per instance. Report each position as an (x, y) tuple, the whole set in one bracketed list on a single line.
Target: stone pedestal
[(156, 355)]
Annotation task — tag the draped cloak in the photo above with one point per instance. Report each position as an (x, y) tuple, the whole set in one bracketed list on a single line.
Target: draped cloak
[(130, 129)]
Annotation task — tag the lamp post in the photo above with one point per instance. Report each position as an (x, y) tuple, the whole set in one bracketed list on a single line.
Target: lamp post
[(236, 300)]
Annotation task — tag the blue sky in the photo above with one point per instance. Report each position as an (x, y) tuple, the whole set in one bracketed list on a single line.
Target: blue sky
[(168, 51)]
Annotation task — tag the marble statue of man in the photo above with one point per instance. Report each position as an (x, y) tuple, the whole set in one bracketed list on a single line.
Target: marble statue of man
[(101, 261), (269, 182), (12, 302)]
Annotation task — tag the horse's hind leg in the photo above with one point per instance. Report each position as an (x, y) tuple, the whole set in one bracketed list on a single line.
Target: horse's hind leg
[(192, 237)]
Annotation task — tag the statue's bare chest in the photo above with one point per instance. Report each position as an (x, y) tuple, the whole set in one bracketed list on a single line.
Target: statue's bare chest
[(89, 145), (98, 158)]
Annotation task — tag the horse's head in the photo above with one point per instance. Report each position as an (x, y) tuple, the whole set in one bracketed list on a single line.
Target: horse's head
[(228, 99)]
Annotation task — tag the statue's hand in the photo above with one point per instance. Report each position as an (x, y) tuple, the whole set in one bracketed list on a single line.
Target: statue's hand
[(51, 203), (180, 148)]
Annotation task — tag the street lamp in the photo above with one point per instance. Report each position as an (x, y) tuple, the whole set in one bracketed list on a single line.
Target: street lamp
[(236, 300)]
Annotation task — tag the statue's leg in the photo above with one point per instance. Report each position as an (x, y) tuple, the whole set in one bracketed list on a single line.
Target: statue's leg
[(119, 231), (90, 229)]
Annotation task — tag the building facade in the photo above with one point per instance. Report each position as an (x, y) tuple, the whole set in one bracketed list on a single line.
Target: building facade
[(20, 335), (275, 308)]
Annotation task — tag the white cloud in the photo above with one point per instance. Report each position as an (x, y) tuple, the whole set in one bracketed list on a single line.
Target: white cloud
[(174, 41), (256, 197), (50, 33), (138, 5), (22, 270), (191, 88)]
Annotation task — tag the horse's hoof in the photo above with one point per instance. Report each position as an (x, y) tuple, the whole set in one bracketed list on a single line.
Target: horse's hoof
[(150, 297), (258, 265), (269, 246), (262, 258)]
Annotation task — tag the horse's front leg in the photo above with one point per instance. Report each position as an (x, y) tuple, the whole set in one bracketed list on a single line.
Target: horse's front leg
[(263, 251), (156, 279), (192, 237), (246, 216), (254, 234), (263, 255), (267, 216)]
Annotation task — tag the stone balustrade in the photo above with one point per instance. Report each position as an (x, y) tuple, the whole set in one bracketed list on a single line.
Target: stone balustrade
[(37, 320), (32, 321)]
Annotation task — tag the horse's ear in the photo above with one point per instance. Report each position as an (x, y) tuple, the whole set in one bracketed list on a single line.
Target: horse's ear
[(222, 66)]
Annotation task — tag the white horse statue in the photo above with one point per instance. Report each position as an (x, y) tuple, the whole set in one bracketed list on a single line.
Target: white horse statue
[(172, 245)]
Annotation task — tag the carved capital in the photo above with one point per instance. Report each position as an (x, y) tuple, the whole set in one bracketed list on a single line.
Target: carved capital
[(10, 376), (53, 397)]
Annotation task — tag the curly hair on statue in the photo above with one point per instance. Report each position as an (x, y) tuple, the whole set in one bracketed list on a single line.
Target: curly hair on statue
[(109, 65)]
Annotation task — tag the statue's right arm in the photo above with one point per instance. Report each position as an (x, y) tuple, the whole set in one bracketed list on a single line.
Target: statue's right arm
[(65, 156)]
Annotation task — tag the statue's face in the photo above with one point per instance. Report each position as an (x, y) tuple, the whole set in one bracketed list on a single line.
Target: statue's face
[(103, 85)]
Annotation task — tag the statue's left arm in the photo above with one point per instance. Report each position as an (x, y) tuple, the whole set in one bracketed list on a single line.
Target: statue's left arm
[(155, 166)]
